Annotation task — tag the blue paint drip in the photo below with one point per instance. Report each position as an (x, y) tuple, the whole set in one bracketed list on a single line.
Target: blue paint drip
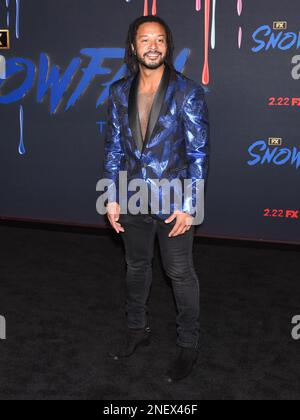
[(18, 18), (7, 13), (22, 150)]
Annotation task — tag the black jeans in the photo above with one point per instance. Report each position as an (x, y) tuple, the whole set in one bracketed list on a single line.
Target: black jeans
[(177, 258)]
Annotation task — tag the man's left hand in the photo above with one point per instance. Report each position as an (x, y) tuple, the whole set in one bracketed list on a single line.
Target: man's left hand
[(183, 223)]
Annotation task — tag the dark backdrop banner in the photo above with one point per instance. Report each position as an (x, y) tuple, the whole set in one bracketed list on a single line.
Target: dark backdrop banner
[(57, 60)]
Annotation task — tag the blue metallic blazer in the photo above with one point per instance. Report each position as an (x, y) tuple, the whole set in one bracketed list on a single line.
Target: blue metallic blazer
[(176, 143)]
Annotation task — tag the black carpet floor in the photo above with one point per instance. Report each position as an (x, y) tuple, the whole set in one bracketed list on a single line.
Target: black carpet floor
[(62, 294)]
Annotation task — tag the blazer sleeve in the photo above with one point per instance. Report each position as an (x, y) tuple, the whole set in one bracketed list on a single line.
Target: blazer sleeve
[(113, 152), (196, 132)]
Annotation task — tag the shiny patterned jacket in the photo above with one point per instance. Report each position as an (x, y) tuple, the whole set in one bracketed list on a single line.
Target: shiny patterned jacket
[(176, 143)]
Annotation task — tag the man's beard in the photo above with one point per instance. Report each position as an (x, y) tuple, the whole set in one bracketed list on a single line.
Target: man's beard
[(151, 65)]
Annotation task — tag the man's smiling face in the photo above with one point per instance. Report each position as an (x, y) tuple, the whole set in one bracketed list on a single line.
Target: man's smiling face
[(151, 45)]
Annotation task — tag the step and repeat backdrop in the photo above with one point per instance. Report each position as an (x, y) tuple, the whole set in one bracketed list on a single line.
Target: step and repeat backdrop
[(58, 59)]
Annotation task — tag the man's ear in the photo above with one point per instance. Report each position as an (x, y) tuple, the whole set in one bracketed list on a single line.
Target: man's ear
[(132, 48)]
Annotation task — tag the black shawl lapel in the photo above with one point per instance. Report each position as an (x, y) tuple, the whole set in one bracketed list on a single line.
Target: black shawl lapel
[(156, 110), (133, 115)]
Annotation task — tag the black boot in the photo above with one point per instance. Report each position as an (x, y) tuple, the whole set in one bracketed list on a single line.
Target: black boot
[(183, 364), (132, 340)]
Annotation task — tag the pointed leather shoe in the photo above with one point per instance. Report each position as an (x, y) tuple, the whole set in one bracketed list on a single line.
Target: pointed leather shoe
[(183, 365), (133, 339)]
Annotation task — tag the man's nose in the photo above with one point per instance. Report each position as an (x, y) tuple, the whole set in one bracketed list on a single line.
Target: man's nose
[(153, 45)]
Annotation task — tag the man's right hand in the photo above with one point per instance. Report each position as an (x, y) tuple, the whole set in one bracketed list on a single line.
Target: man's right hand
[(113, 214)]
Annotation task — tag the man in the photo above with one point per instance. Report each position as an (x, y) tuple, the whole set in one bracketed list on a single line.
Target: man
[(157, 128)]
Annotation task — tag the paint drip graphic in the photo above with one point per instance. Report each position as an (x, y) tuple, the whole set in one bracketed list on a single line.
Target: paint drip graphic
[(240, 32), (205, 71), (22, 150), (153, 10), (16, 21), (210, 7)]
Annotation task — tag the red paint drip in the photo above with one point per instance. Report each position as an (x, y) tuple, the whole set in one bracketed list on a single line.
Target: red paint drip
[(146, 9), (154, 7), (205, 73)]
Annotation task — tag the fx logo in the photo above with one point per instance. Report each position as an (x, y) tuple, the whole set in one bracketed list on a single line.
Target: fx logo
[(279, 26), (2, 328), (292, 214), (4, 39), (274, 141)]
